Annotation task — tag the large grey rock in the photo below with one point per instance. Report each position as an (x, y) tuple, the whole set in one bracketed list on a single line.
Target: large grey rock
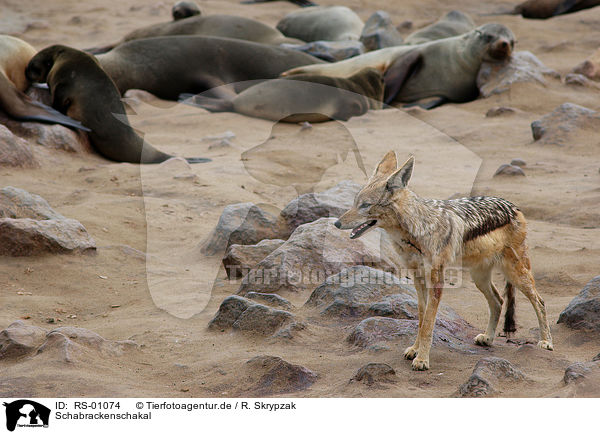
[(272, 375), (20, 339), (28, 226), (14, 151), (240, 259), (488, 377), (583, 312), (309, 207), (560, 126), (582, 372), (239, 313), (313, 252), (372, 332), (379, 32), (272, 300), (364, 291), (52, 136), (590, 67), (523, 66), (241, 223)]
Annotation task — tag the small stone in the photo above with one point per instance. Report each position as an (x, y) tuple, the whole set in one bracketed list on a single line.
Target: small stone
[(499, 111), (518, 162), (488, 376), (509, 170), (373, 373)]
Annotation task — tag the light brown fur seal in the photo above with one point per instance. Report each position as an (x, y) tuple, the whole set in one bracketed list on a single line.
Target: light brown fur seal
[(14, 57), (445, 68), (81, 89)]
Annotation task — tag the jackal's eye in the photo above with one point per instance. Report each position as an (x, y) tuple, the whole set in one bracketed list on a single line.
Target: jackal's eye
[(364, 205)]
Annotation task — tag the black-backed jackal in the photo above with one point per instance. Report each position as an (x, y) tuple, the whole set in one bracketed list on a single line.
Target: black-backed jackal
[(429, 234)]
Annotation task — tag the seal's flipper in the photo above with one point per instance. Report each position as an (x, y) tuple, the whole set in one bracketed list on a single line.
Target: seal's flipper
[(196, 160), (21, 107), (301, 3), (210, 104), (428, 105), (398, 74), (564, 7)]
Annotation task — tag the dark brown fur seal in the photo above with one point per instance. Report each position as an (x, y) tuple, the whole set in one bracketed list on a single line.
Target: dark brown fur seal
[(170, 66), (549, 8), (225, 26), (14, 56), (300, 98), (81, 89)]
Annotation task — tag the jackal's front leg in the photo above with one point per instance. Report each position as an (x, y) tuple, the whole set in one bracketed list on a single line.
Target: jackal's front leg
[(425, 335), (411, 352)]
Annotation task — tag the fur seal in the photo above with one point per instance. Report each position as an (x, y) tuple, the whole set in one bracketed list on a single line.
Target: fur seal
[(301, 98), (454, 23), (14, 57), (301, 3), (445, 68), (81, 89), (170, 66), (379, 32), (322, 23), (225, 26), (184, 9), (549, 8)]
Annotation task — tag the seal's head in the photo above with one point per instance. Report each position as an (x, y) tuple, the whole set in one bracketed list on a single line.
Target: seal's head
[(40, 65), (494, 41), (184, 9)]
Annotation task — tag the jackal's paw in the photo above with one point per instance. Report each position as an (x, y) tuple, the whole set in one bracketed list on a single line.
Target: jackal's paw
[(410, 353), (546, 345), (484, 340), (420, 365)]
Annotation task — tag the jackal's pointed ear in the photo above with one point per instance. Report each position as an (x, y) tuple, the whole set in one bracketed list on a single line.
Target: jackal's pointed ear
[(400, 178), (387, 165)]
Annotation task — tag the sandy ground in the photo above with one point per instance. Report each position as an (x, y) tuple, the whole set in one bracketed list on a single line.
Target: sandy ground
[(457, 149)]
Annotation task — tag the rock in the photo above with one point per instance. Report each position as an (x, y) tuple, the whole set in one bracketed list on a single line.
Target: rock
[(455, 334), (581, 81), (489, 374), (509, 170), (379, 32), (581, 371), (558, 126), (19, 339), (583, 312), (28, 226), (69, 344), (518, 162), (596, 358), (239, 313), (313, 252), (14, 151), (331, 51), (373, 373), (275, 375), (272, 300), (590, 67), (52, 136), (240, 259), (358, 291), (499, 111), (134, 98), (309, 207), (523, 66), (241, 223)]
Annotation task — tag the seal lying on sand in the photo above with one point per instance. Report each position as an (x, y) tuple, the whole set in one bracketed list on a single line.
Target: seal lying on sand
[(550, 8), (81, 89), (445, 68), (14, 56), (226, 26), (170, 66), (322, 23), (300, 98), (454, 23)]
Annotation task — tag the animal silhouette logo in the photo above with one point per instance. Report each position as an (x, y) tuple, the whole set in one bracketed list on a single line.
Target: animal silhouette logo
[(26, 413)]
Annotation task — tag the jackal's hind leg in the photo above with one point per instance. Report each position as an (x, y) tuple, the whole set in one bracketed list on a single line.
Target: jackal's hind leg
[(483, 280), (517, 270), (411, 352)]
